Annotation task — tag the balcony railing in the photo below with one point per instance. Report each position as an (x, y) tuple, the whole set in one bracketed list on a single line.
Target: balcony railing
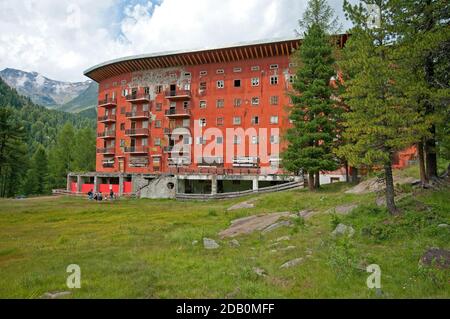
[(107, 118), (138, 115), (106, 150), (138, 97), (178, 112), (137, 131), (107, 134), (178, 94), (107, 102), (136, 149)]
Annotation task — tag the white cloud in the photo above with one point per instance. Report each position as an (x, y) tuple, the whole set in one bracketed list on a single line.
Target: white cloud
[(62, 38)]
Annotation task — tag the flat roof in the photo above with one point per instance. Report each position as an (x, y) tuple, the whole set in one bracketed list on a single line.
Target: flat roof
[(235, 52)]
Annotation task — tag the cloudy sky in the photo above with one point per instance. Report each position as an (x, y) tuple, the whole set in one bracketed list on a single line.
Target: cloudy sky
[(61, 38)]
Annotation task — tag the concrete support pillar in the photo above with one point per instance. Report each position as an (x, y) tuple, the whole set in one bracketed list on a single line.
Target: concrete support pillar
[(255, 184), (180, 186), (214, 185), (96, 183), (69, 181), (121, 180), (79, 183)]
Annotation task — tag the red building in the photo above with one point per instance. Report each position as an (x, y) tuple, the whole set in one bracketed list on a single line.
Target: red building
[(203, 121)]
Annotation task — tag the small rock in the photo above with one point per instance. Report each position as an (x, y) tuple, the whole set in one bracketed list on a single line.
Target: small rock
[(210, 243), (437, 257), (273, 251), (283, 238), (306, 213), (55, 295), (282, 223), (259, 271), (246, 204), (292, 263), (345, 209), (288, 248), (442, 225), (234, 243), (343, 229)]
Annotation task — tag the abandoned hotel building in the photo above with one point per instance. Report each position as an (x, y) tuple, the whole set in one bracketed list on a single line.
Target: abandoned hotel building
[(193, 122)]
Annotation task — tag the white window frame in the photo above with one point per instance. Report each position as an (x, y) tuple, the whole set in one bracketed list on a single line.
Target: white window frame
[(255, 100), (255, 82), (220, 84), (203, 73), (274, 139), (273, 66), (203, 104), (255, 68), (202, 122), (220, 71), (237, 120), (272, 119), (237, 69), (274, 80)]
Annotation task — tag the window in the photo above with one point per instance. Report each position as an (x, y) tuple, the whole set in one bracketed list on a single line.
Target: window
[(236, 139), (219, 121), (186, 122), (158, 106), (274, 100), (220, 71), (122, 110), (291, 78), (123, 82), (255, 68), (255, 119), (219, 139), (186, 104), (255, 140), (274, 139), (255, 100), (237, 83), (122, 126), (122, 143), (237, 70), (255, 81), (158, 123), (236, 120), (146, 90), (187, 74), (203, 73), (173, 104), (202, 122), (220, 103), (274, 80), (202, 86), (145, 124), (273, 66), (159, 89), (292, 65), (157, 141), (203, 104), (187, 140), (220, 84), (237, 102), (144, 141), (274, 119), (124, 92), (145, 107)]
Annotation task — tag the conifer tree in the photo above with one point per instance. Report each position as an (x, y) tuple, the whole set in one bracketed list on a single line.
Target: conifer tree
[(313, 115), (379, 124)]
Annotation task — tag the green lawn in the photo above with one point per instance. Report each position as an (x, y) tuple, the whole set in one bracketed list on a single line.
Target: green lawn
[(143, 248)]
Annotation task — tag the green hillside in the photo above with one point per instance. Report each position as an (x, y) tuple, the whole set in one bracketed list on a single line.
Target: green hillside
[(87, 100)]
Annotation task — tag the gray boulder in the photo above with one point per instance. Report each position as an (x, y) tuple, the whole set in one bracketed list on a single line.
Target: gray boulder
[(292, 263), (210, 243), (343, 230)]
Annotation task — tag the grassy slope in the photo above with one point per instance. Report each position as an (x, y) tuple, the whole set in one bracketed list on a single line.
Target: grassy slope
[(143, 248)]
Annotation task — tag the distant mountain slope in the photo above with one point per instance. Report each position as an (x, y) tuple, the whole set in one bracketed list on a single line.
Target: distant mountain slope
[(84, 101), (42, 90)]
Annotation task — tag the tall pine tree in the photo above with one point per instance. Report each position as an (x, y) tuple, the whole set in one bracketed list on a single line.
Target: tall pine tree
[(379, 124), (314, 113)]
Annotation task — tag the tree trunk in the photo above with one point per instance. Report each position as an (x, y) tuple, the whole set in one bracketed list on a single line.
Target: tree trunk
[(354, 178), (430, 155), (423, 174), (311, 181), (347, 177), (317, 180), (390, 202)]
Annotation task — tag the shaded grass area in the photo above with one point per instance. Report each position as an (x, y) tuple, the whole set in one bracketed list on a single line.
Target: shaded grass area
[(143, 248)]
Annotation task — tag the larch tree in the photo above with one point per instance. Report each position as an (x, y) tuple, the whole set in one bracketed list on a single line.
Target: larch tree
[(379, 123), (313, 114)]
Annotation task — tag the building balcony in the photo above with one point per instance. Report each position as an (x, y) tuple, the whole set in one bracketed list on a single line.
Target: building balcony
[(107, 134), (179, 161), (178, 112), (137, 132), (178, 94), (144, 115), (246, 162), (107, 118), (106, 150), (179, 149), (138, 97), (136, 149), (107, 102)]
